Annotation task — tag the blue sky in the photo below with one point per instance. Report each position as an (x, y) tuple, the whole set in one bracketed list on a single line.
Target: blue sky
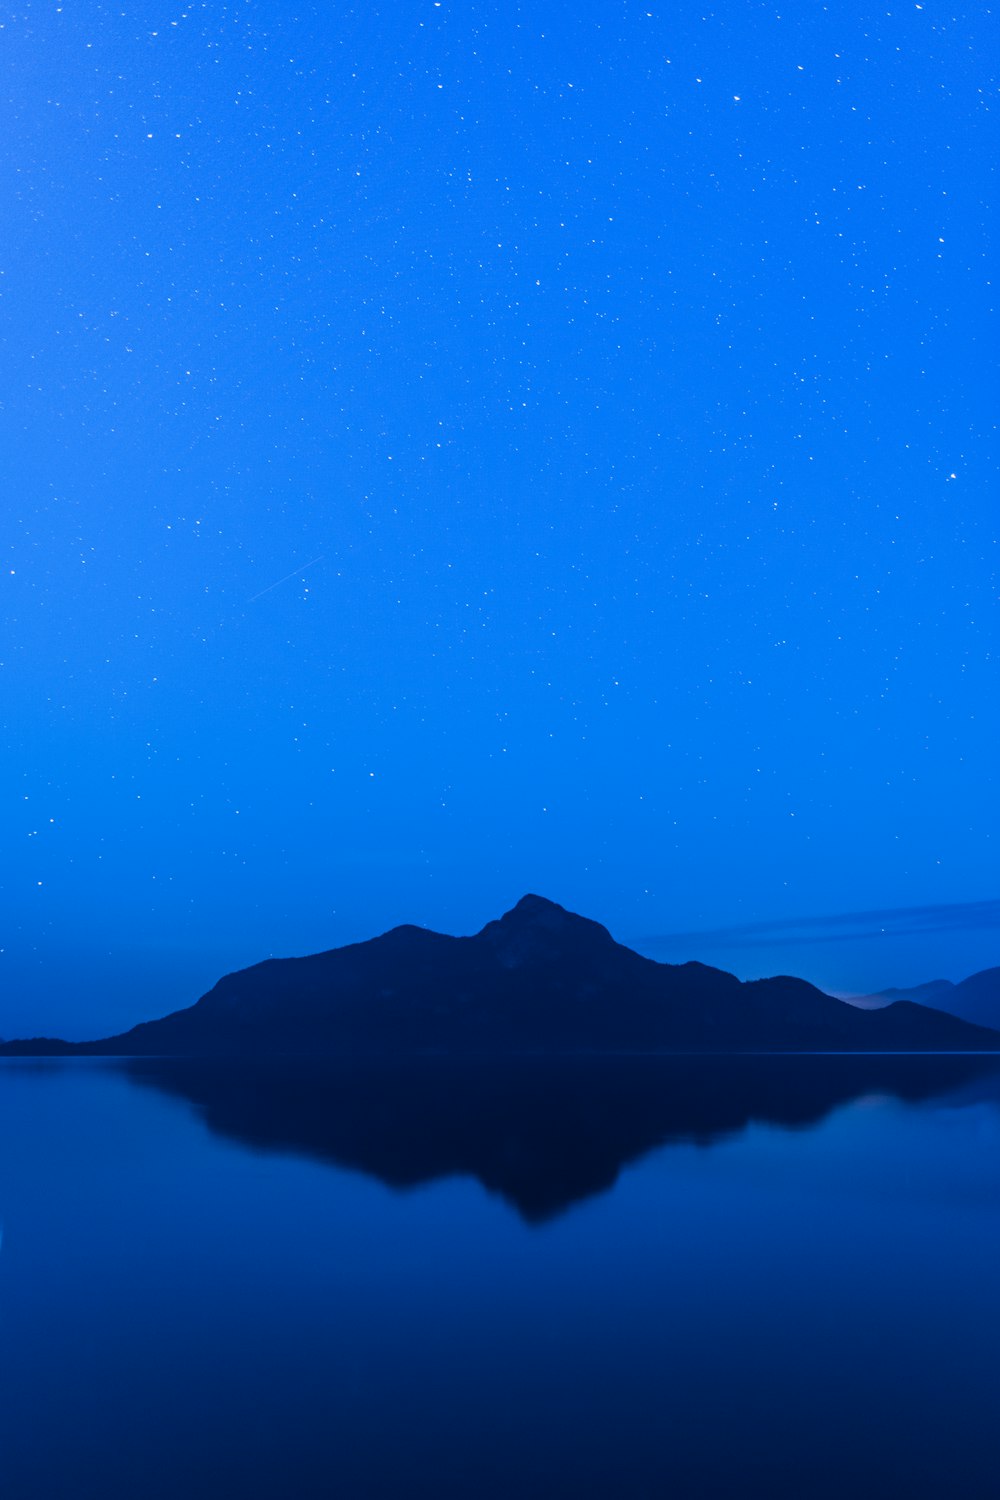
[(456, 449)]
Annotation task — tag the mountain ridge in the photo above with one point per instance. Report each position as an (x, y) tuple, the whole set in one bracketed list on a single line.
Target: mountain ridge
[(538, 978), (975, 999)]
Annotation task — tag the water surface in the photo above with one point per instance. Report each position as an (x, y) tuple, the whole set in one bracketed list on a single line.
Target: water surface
[(774, 1277)]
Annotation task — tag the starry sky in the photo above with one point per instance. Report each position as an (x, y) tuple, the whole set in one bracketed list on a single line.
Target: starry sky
[(455, 449)]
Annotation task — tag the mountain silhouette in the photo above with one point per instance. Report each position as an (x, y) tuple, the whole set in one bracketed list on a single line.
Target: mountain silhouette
[(539, 979), (976, 999), (934, 993)]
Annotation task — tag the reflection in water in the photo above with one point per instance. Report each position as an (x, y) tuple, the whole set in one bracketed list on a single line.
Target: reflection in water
[(808, 1312), (542, 1132)]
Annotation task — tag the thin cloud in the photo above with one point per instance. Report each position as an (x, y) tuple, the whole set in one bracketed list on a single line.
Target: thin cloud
[(904, 921)]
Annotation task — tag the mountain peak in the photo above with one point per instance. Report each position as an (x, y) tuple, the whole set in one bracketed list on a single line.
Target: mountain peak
[(539, 914), (538, 928), (533, 906)]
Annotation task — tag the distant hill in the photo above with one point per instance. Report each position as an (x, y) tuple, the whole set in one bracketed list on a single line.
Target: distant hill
[(976, 999), (540, 979)]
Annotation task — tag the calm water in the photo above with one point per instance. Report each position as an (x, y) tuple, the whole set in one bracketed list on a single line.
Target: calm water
[(729, 1282)]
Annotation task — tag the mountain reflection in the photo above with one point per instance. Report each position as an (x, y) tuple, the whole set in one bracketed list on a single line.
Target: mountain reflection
[(544, 1133)]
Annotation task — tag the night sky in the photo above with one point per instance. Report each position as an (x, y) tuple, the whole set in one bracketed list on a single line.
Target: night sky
[(455, 449)]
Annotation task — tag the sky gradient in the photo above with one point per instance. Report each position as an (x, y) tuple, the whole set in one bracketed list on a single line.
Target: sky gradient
[(451, 450)]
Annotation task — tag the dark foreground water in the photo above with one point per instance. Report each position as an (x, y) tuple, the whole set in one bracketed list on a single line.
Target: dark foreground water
[(776, 1278)]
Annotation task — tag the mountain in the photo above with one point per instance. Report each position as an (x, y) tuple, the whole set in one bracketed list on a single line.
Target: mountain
[(540, 979), (976, 999), (933, 993)]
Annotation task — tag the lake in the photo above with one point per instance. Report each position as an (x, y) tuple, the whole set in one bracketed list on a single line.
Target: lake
[(775, 1277)]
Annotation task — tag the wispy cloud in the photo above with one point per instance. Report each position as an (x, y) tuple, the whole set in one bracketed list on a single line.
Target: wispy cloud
[(901, 921)]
